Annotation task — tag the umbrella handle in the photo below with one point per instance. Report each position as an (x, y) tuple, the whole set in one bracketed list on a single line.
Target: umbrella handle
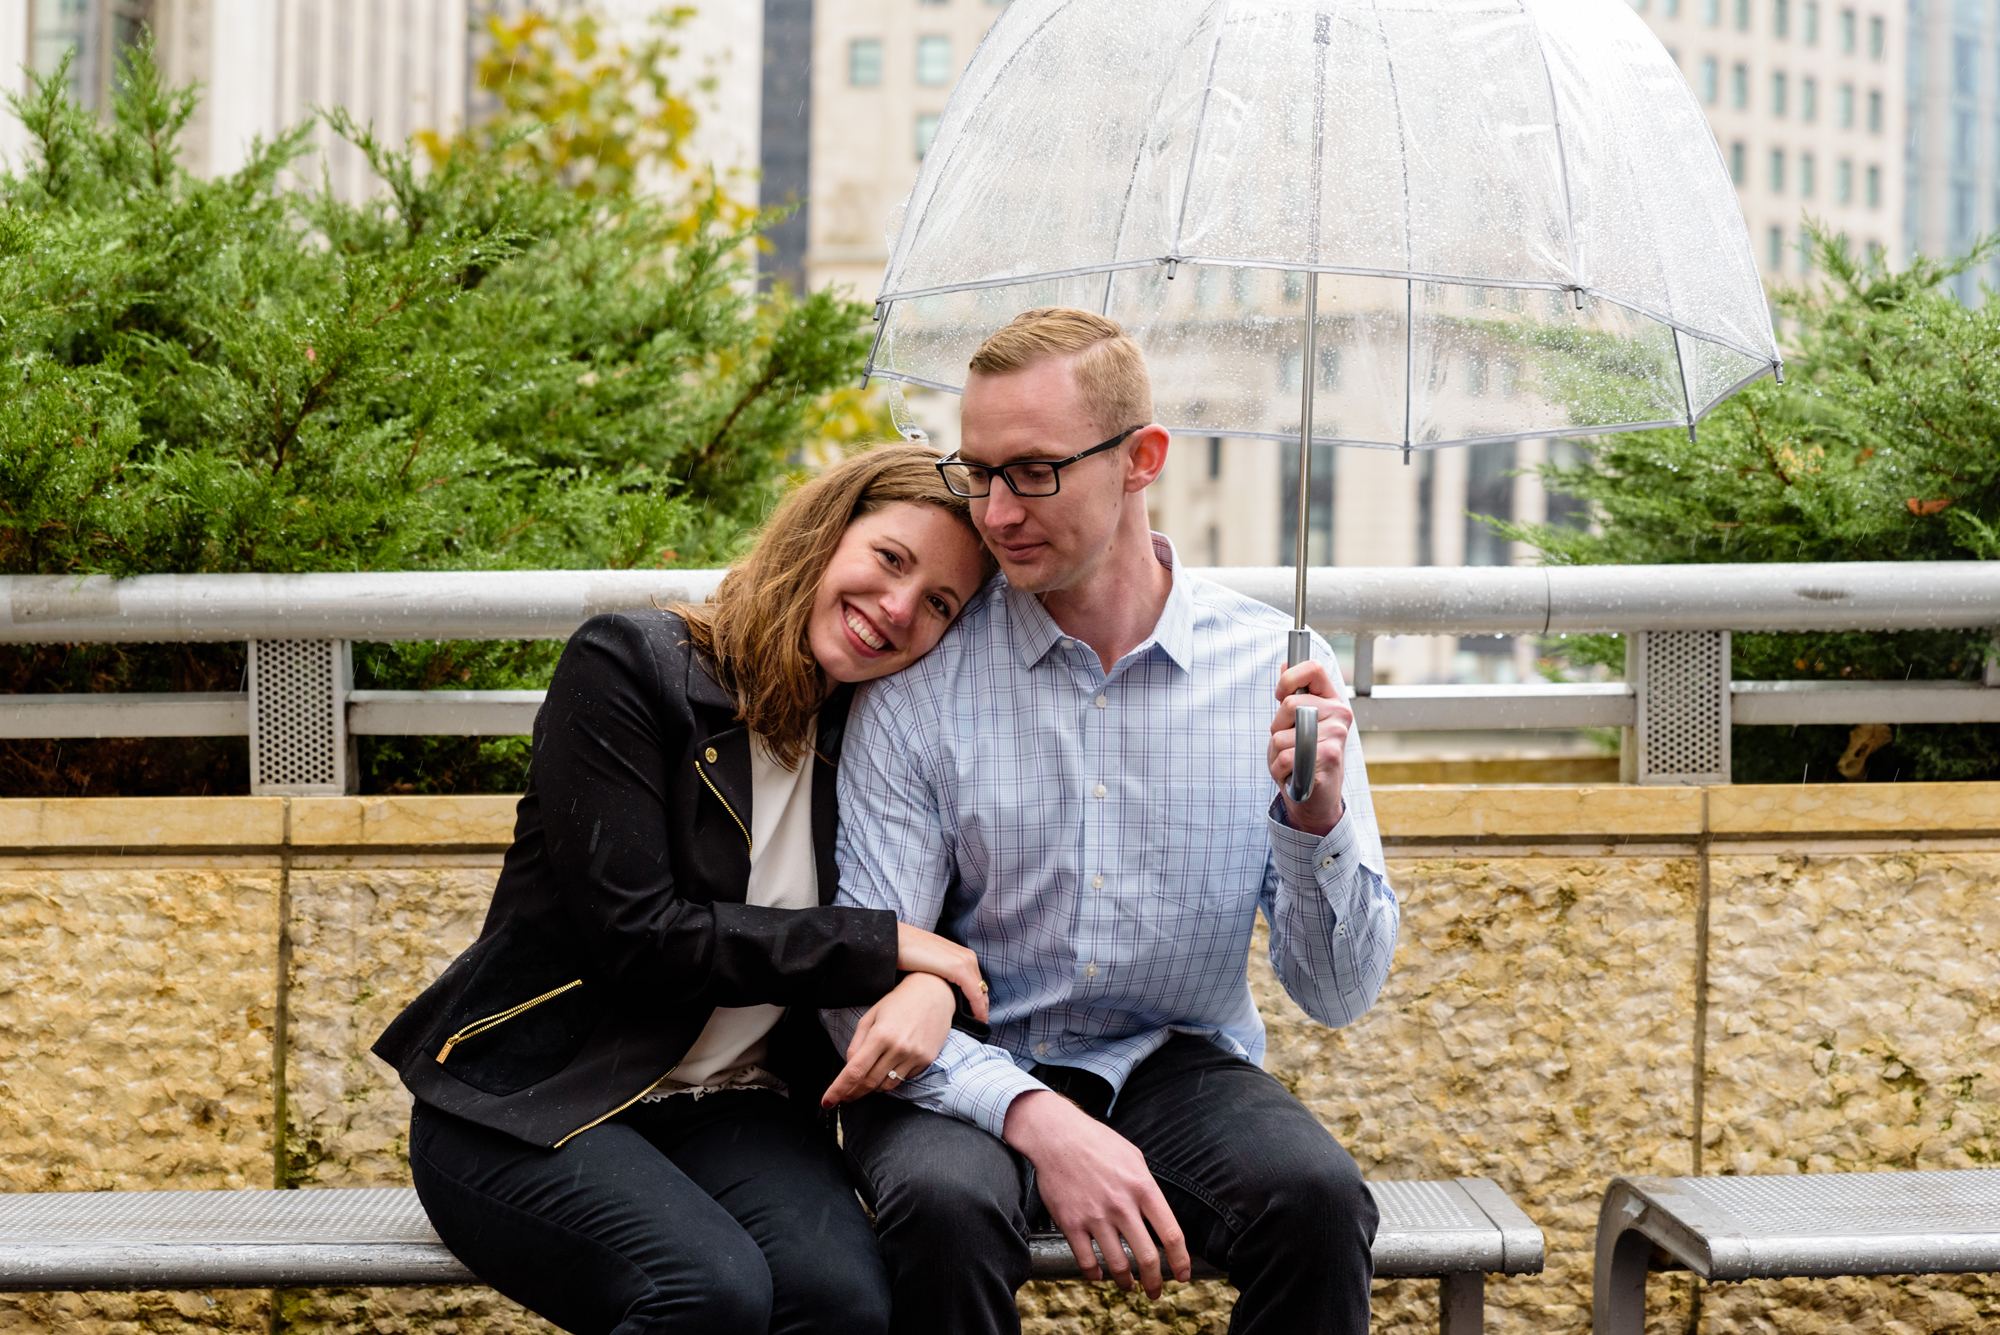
[(1305, 722), (1305, 719)]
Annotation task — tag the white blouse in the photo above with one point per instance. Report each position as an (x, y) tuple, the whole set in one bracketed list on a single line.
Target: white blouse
[(729, 1054)]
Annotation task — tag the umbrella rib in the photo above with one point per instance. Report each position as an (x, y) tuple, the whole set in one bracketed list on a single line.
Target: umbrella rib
[(1200, 124), (1562, 151), (1409, 241), (924, 217), (1132, 184)]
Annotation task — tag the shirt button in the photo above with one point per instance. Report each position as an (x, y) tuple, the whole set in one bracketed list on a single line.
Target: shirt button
[(1090, 971), (1325, 863), (1102, 702), (1041, 1049), (1097, 882), (709, 755), (1099, 790)]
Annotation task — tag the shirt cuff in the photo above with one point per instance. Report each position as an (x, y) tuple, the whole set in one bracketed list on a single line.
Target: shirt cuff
[(1307, 859), (978, 1089)]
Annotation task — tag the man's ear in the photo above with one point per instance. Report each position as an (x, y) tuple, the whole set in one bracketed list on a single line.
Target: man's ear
[(1146, 458)]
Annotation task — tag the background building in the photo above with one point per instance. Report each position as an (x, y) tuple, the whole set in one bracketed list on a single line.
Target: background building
[(1952, 188)]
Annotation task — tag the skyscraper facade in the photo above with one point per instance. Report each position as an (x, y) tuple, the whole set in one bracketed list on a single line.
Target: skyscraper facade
[(1952, 150)]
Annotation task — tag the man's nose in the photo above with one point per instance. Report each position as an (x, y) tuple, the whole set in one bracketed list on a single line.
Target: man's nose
[(1003, 507)]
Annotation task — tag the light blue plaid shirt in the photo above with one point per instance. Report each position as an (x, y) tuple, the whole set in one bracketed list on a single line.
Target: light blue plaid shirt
[(1103, 841)]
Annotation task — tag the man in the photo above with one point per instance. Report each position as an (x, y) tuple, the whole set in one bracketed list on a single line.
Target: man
[(1073, 785)]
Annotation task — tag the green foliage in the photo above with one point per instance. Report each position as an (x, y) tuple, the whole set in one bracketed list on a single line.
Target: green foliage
[(484, 369), (1882, 445)]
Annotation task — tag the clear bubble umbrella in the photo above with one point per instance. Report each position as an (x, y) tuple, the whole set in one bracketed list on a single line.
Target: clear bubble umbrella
[(1392, 224)]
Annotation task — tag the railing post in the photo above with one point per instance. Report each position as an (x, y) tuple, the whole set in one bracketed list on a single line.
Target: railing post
[(299, 743), (1680, 681)]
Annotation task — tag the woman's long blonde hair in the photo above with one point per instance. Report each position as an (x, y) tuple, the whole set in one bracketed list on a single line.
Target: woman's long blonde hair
[(755, 629)]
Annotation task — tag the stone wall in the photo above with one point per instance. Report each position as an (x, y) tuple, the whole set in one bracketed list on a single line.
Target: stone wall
[(1541, 1027)]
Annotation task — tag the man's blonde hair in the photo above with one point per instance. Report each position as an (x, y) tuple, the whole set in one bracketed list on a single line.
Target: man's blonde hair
[(1110, 370)]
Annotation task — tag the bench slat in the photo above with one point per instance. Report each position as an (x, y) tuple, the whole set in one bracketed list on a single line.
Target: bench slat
[(350, 1237), (1811, 1226)]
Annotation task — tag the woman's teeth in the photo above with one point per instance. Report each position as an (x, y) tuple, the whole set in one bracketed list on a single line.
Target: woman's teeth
[(863, 633)]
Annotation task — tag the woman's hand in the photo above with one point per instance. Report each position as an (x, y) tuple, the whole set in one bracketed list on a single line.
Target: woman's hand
[(899, 1036), (918, 951)]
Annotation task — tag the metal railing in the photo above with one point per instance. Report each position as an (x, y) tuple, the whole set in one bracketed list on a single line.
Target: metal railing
[(301, 712)]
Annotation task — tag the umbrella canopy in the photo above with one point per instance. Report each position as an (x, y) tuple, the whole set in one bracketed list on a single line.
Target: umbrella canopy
[(1457, 220)]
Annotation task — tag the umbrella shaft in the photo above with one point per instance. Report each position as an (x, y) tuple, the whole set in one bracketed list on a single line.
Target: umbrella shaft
[(1308, 364)]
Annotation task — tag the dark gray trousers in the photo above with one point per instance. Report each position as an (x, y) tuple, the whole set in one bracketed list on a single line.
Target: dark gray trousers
[(1262, 1190)]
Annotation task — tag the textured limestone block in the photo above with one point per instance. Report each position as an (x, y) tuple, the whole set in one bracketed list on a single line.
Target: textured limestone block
[(1537, 1030), (364, 942), (136, 1008), (1854, 1024)]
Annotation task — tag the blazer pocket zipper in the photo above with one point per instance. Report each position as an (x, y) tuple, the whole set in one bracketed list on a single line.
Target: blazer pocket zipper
[(480, 1026), (725, 806)]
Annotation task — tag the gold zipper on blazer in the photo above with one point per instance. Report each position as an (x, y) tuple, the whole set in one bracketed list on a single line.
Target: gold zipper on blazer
[(480, 1026), (620, 1108), (726, 807)]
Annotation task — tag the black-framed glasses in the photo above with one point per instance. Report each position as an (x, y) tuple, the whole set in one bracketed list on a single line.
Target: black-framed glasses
[(1024, 477)]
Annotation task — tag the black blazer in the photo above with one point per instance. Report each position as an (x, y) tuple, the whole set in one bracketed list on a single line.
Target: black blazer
[(618, 924)]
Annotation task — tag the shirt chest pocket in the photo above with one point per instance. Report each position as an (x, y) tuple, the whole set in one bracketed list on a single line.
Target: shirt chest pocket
[(1206, 848)]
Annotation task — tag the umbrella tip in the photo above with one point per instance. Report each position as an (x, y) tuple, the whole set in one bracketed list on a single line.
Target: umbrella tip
[(1406, 455), (1778, 369), (1172, 264)]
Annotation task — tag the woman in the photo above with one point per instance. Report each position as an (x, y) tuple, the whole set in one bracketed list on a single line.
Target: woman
[(617, 1085)]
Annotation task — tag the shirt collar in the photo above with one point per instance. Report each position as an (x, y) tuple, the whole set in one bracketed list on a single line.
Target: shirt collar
[(1035, 632)]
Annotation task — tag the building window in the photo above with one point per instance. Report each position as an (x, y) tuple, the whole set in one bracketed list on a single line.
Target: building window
[(1965, 66), (1961, 139), (1961, 212), (1843, 181), (1710, 71), (1672, 9), (1489, 490), (1805, 245), (1810, 35), (1874, 187), (1877, 39), (1777, 171), (1846, 116), (864, 62), (1874, 111), (1639, 5), (1674, 54), (1774, 244), (1805, 175), (1743, 15), (1711, 13), (1780, 87), (1808, 99), (934, 61), (926, 131), (1781, 18), (1739, 158), (1847, 31)]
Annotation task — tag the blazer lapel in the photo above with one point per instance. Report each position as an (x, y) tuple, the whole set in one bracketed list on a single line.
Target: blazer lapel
[(825, 790)]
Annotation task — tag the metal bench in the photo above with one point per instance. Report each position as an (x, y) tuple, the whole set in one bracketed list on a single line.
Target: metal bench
[(1812, 1226), (1456, 1232)]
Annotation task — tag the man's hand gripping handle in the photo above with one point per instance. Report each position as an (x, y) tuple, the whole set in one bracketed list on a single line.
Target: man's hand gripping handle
[(1305, 719)]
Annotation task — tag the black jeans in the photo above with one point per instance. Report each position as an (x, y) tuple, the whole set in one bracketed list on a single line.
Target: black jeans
[(1262, 1190), (731, 1213)]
